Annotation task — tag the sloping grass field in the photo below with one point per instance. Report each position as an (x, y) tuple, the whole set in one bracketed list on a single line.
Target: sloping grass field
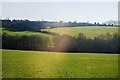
[(89, 32), (22, 33), (38, 64)]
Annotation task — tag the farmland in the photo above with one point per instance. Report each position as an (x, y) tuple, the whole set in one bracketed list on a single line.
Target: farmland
[(43, 64), (22, 33), (59, 40), (89, 32), (40, 64)]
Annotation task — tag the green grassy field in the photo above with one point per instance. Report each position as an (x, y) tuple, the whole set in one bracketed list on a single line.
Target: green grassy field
[(89, 32), (38, 64), (20, 33)]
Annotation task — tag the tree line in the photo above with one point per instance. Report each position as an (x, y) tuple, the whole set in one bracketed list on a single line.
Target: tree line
[(23, 25), (101, 44)]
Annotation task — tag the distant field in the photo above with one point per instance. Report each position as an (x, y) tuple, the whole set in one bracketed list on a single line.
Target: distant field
[(90, 32), (38, 64), (20, 33)]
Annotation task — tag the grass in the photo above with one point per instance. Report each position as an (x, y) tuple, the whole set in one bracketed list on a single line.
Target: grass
[(23, 33), (89, 32), (40, 64)]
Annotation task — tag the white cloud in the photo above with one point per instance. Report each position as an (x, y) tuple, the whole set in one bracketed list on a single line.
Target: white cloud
[(81, 17)]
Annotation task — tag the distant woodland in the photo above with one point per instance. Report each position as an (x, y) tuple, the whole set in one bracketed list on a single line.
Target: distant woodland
[(21, 25)]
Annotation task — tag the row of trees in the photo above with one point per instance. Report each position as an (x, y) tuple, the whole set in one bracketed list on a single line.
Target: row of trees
[(23, 25), (103, 44)]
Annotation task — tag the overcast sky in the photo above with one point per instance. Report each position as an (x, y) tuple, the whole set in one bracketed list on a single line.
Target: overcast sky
[(66, 11)]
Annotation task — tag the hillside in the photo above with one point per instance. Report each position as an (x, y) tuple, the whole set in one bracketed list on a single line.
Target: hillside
[(89, 31)]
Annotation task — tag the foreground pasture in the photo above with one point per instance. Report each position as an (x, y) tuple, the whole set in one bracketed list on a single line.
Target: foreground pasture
[(39, 64)]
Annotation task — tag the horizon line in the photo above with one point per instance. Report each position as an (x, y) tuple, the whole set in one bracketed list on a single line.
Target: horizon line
[(55, 20)]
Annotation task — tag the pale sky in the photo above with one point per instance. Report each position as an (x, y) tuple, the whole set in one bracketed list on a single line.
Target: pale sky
[(65, 11), (60, 0)]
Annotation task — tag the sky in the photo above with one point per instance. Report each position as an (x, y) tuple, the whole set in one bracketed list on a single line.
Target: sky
[(65, 11), (59, 0)]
